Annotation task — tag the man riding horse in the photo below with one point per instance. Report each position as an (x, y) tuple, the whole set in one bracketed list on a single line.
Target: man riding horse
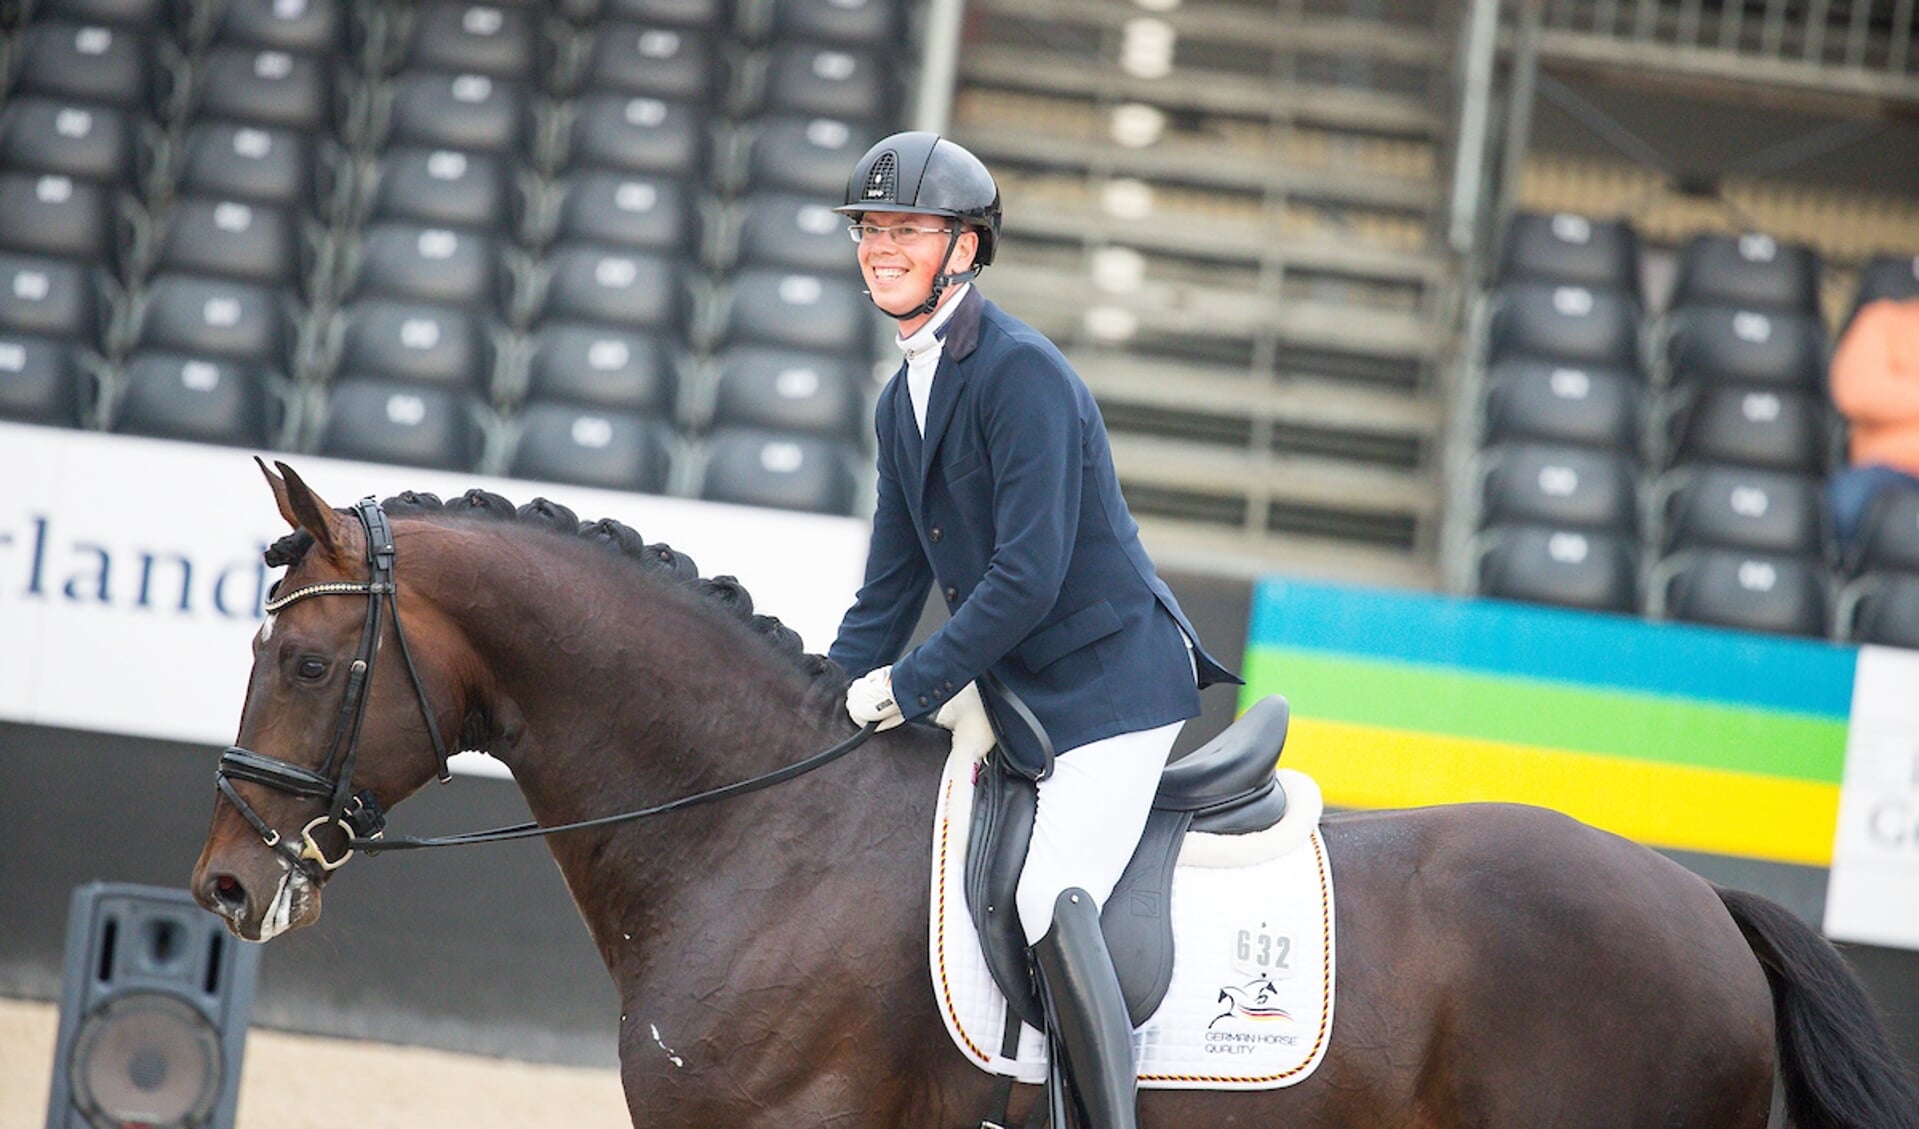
[(996, 483)]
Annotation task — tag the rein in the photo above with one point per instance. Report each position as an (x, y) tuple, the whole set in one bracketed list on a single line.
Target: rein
[(358, 814)]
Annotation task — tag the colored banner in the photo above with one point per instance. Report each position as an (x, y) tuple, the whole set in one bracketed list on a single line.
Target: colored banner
[(1678, 736)]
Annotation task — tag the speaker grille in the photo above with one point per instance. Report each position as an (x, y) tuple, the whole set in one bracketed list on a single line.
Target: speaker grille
[(146, 1058)]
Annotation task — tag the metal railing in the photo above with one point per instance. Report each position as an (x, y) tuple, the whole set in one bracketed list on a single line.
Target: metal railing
[(1859, 48)]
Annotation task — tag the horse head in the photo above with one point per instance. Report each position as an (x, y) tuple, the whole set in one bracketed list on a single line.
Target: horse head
[(329, 738)]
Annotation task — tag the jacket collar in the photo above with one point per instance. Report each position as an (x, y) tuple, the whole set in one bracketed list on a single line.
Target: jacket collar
[(962, 329)]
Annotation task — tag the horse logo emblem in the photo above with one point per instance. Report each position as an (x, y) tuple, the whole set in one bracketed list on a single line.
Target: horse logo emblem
[(1254, 1000)]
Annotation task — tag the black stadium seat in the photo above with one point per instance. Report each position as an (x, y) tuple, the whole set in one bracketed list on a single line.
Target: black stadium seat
[(868, 24), (406, 424), (791, 230), (818, 313), (782, 390), (806, 78), (1751, 272), (1572, 249), (632, 133), (1773, 428), (444, 188), (627, 210), (218, 319), (42, 380), (614, 286), (1719, 343), (1739, 508), (1889, 534), (57, 135), (1887, 611), (261, 86), (467, 112), (232, 239), (250, 162), (1557, 485), (807, 155), (428, 264), (498, 41), (48, 214), (1563, 403), (710, 15), (1575, 568), (52, 298), (1887, 276), (173, 397), (1549, 321), (1752, 591), (87, 62), (789, 472), (660, 62), (417, 342), (302, 27), (593, 447), (599, 366)]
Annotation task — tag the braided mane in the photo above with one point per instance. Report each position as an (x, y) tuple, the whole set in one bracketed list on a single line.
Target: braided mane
[(724, 593)]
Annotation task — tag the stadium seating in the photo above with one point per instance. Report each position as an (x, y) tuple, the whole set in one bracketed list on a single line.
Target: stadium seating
[(1753, 271), (1572, 249), (42, 380), (1563, 403), (1719, 343), (758, 468), (1887, 276), (1737, 508), (1561, 486), (1576, 568), (1552, 321), (1889, 535), (1885, 610), (175, 397), (1755, 592), (498, 237), (1773, 428)]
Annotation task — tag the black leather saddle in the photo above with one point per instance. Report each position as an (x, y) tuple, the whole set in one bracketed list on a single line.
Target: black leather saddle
[(1226, 787)]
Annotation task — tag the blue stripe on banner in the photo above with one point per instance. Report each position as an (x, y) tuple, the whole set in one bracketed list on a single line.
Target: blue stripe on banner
[(1672, 659)]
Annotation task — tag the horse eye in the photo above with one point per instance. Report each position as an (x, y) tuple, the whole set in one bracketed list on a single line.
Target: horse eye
[(312, 668)]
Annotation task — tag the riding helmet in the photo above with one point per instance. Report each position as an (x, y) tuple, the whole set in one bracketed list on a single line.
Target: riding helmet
[(925, 173)]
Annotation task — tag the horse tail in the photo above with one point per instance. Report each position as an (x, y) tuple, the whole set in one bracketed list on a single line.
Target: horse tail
[(1835, 1058)]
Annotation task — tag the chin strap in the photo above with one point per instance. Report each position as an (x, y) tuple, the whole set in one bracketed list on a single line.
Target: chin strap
[(941, 281)]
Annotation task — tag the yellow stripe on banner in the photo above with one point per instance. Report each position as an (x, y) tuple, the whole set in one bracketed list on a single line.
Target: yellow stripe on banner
[(1679, 807)]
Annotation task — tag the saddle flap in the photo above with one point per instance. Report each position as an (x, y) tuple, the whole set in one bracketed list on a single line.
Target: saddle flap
[(1004, 806)]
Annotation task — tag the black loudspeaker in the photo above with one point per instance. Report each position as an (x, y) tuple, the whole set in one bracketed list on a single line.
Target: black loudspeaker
[(153, 1016)]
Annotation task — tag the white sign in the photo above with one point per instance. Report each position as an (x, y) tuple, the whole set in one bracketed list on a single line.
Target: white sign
[(1872, 894), (131, 581)]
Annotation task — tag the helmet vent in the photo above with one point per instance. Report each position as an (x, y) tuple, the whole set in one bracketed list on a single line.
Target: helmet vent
[(882, 181)]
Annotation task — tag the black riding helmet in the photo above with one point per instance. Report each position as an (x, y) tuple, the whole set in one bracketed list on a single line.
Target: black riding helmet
[(919, 172)]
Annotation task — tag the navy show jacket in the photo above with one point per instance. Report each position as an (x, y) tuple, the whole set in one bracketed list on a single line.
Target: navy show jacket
[(1010, 504)]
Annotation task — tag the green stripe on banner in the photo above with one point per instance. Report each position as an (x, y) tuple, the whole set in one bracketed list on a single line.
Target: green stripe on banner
[(1548, 715)]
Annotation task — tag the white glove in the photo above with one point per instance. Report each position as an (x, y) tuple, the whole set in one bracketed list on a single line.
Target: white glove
[(966, 716), (870, 698)]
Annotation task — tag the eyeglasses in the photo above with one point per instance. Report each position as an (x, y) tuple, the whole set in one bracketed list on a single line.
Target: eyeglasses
[(905, 235)]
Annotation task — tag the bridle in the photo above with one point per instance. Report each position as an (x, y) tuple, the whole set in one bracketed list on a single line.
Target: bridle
[(358, 814)]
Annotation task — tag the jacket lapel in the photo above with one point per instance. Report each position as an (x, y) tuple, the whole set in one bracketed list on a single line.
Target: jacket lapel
[(961, 338)]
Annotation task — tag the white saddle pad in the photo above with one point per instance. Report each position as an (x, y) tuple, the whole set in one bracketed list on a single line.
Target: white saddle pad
[(1250, 1006)]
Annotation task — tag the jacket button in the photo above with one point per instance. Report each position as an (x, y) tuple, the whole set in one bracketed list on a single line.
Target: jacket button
[(952, 595), (935, 534), (947, 685), (922, 699)]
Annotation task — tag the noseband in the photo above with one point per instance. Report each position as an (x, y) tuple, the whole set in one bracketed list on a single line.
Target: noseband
[(357, 814)]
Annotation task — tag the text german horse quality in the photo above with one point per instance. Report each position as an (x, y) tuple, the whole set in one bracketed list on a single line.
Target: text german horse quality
[(1500, 967)]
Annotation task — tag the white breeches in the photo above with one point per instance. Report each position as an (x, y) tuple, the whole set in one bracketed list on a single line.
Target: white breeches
[(1091, 812)]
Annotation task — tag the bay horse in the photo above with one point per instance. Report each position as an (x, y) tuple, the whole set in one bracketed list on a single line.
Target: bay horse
[(1500, 967)]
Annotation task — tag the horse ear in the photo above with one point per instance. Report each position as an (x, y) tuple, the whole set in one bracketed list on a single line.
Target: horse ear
[(305, 509)]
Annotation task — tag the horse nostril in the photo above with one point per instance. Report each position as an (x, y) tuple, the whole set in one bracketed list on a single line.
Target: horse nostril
[(226, 895)]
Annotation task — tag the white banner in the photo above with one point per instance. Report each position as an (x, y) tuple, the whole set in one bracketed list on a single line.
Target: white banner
[(1872, 894), (131, 578)]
